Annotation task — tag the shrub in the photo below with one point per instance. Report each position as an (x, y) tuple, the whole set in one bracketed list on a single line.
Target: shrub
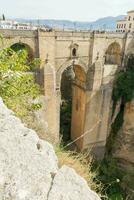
[(17, 84)]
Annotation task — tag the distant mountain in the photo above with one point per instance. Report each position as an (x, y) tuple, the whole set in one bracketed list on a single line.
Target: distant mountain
[(106, 23)]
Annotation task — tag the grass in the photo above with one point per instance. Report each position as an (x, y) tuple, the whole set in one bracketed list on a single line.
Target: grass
[(82, 164)]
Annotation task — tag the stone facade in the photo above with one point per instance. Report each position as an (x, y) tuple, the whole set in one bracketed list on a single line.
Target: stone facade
[(95, 58)]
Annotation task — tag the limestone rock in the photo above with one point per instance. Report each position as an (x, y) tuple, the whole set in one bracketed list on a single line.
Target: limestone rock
[(26, 162), (29, 166), (67, 185)]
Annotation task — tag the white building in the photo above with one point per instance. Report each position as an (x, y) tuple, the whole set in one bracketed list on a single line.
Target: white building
[(6, 24), (10, 24), (126, 24)]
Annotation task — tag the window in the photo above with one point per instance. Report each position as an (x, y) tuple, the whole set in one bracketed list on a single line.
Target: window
[(74, 52), (124, 25), (130, 25), (129, 18)]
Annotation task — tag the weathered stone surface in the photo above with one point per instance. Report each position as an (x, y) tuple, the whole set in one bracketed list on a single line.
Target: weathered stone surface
[(28, 166), (26, 162), (68, 185), (125, 141)]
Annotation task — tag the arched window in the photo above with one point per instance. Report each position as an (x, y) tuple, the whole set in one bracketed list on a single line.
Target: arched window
[(74, 52)]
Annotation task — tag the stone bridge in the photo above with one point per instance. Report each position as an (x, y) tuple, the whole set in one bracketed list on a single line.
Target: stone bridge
[(95, 58)]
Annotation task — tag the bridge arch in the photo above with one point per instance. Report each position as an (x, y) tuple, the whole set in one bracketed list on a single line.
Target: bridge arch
[(73, 99), (17, 46), (64, 66), (113, 54)]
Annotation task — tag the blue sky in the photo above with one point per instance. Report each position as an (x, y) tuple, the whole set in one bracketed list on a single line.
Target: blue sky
[(79, 10)]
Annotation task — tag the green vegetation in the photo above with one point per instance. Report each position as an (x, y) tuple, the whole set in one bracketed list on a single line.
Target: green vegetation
[(110, 177), (124, 85), (17, 84)]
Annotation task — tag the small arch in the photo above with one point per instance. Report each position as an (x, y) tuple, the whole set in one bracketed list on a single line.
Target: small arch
[(74, 48), (22, 46), (113, 54)]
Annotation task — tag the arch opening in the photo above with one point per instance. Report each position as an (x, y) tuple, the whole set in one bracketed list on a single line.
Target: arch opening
[(113, 54), (21, 46), (72, 105), (67, 79)]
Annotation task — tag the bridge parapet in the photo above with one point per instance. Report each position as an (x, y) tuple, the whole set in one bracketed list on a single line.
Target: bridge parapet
[(14, 33)]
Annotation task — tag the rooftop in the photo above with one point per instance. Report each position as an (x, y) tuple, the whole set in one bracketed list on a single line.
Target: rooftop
[(131, 11), (121, 20)]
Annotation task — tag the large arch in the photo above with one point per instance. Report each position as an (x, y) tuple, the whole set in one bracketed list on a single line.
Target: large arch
[(78, 100), (67, 64), (113, 54)]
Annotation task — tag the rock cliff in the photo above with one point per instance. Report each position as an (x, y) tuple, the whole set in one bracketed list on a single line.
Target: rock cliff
[(124, 150), (29, 167)]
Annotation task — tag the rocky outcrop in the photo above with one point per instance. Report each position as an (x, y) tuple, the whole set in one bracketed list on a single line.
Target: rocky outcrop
[(124, 150), (29, 167)]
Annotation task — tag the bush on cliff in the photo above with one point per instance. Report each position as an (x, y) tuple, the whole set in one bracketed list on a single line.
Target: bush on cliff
[(17, 84), (124, 84)]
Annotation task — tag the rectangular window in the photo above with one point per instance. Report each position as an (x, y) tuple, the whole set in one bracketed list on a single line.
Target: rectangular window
[(124, 25), (130, 25)]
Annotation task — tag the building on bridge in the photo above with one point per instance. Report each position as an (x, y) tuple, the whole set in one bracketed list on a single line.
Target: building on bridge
[(11, 24), (126, 24)]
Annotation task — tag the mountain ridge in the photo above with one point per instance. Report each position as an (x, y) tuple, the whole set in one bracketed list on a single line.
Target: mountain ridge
[(105, 23)]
